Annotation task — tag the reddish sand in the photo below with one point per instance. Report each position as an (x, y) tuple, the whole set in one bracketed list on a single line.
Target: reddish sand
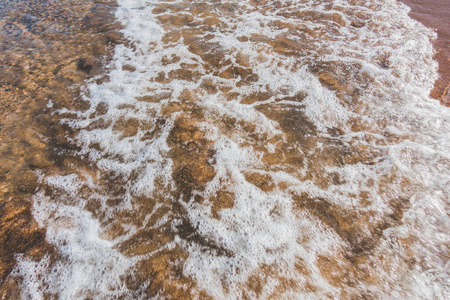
[(436, 14)]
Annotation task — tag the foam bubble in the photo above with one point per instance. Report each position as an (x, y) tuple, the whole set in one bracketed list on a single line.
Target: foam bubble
[(284, 149)]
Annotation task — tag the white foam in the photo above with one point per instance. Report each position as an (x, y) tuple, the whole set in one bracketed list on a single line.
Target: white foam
[(394, 103), (88, 263)]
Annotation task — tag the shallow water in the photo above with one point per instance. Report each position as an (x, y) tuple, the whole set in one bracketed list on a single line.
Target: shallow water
[(251, 149), (45, 49)]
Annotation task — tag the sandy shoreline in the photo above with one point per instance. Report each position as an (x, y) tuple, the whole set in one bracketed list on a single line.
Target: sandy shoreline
[(435, 14)]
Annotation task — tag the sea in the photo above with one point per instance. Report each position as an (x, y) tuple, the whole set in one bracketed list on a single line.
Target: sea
[(253, 149)]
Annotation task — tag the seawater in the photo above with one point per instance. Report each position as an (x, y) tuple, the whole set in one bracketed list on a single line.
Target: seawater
[(253, 149)]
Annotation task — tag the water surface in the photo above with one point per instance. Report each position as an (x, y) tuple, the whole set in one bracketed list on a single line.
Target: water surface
[(250, 149)]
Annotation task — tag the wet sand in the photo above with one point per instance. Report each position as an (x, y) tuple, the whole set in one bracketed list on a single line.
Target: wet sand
[(31, 139), (436, 14), (48, 50)]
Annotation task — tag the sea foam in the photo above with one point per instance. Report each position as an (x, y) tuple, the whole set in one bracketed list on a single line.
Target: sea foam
[(284, 149)]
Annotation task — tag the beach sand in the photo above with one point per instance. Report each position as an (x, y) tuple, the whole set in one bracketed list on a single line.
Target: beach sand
[(49, 49), (42, 62), (435, 14)]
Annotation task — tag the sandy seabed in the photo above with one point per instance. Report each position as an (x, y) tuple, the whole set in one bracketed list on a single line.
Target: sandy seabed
[(48, 49), (51, 48)]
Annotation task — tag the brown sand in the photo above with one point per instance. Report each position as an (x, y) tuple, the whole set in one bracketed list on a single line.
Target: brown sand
[(436, 14), (30, 139), (48, 49)]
